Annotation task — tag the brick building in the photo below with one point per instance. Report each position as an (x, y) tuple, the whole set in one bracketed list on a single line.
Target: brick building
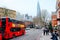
[(54, 19)]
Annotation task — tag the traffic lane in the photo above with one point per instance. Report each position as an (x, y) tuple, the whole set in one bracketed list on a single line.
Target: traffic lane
[(32, 34)]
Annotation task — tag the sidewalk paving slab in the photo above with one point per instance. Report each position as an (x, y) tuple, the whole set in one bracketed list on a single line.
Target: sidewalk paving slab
[(45, 37)]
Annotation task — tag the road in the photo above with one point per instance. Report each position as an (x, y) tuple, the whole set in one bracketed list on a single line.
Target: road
[(32, 34)]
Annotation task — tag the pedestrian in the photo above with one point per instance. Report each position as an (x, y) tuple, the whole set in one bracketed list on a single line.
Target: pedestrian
[(50, 28), (54, 36), (47, 31), (56, 33), (59, 31), (43, 30)]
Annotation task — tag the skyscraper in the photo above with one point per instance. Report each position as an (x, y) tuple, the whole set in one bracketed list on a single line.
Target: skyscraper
[(38, 10)]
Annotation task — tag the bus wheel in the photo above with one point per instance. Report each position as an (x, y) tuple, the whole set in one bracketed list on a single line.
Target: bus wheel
[(5, 39), (23, 33)]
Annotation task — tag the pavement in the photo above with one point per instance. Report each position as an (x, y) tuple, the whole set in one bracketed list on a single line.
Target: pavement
[(46, 37)]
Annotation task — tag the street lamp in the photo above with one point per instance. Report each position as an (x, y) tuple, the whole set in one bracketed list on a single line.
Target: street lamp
[(55, 25)]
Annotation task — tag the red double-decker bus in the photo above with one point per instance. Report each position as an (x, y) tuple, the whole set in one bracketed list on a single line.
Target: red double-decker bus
[(10, 28)]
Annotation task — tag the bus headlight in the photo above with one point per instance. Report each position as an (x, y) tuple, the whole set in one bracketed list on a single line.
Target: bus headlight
[(22, 26), (13, 25)]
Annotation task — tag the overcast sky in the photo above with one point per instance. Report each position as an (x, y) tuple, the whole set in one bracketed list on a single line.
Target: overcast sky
[(29, 6)]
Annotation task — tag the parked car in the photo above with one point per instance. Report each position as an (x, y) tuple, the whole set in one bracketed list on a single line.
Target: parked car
[(37, 27), (27, 28)]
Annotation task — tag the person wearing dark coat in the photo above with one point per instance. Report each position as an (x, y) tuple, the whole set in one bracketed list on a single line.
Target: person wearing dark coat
[(54, 36)]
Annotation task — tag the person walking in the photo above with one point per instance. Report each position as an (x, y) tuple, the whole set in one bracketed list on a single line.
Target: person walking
[(59, 31), (50, 28), (54, 36), (47, 31), (44, 30)]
